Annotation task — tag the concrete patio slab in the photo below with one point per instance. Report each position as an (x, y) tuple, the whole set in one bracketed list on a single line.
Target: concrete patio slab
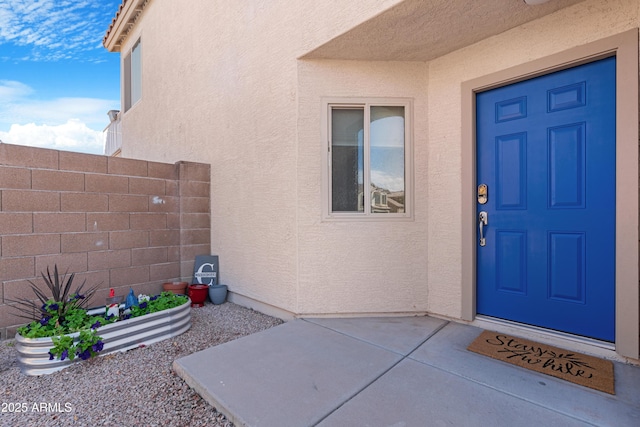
[(447, 351), (290, 375), (391, 372), (413, 394), (401, 335)]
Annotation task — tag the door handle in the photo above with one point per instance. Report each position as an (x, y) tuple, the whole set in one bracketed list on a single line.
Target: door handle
[(483, 219)]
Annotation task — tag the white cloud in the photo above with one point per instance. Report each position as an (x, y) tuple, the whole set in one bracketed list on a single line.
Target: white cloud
[(55, 29), (20, 105), (74, 135), (11, 90), (73, 124)]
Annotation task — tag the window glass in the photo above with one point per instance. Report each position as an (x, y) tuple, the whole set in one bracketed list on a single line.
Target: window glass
[(347, 159), (127, 82), (368, 159), (387, 159), (133, 76), (136, 73)]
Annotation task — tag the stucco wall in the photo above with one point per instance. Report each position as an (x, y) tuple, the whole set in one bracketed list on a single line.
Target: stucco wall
[(361, 266), (228, 90), (573, 26), (223, 90), (350, 271)]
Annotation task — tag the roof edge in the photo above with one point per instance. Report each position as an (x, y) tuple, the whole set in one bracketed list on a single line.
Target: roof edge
[(125, 19)]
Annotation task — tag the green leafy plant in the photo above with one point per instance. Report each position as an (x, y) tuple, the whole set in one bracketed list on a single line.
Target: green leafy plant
[(62, 300), (164, 301), (64, 313), (50, 324), (88, 345)]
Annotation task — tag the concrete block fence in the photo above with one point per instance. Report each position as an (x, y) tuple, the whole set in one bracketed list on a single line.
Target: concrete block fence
[(115, 222)]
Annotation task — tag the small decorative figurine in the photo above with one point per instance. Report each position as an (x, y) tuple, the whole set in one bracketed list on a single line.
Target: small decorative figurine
[(113, 310), (131, 300)]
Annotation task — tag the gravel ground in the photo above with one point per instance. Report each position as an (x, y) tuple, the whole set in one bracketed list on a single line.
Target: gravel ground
[(134, 388)]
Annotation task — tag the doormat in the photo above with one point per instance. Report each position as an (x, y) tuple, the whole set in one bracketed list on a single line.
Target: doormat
[(577, 368)]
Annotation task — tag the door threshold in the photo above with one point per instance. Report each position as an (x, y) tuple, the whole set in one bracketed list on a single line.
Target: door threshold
[(564, 340)]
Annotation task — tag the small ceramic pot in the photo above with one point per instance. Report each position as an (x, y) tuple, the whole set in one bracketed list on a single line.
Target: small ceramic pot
[(175, 287), (197, 293), (218, 293)]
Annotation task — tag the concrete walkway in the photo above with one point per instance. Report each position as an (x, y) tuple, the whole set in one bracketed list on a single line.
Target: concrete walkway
[(409, 371)]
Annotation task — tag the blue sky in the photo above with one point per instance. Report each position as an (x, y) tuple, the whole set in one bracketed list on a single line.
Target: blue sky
[(57, 81)]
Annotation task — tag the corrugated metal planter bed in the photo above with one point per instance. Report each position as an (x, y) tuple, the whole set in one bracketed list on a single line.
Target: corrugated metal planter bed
[(33, 353)]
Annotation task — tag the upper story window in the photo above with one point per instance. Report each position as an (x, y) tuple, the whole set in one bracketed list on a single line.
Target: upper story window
[(133, 76), (369, 160)]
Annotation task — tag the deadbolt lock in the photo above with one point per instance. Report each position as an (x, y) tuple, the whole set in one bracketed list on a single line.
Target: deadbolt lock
[(483, 193)]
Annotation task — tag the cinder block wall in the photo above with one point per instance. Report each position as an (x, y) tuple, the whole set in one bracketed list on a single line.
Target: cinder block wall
[(116, 222)]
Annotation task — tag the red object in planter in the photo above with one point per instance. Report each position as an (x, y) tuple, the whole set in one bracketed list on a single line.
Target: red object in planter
[(198, 293)]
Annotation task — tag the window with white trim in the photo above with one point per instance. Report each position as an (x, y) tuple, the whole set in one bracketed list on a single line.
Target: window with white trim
[(369, 163), (133, 76)]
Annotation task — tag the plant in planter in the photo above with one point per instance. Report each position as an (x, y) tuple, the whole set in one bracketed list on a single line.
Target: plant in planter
[(62, 300), (165, 301), (62, 314), (66, 330), (89, 343)]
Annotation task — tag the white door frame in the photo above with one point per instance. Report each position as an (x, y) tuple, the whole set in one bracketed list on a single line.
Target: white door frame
[(625, 47)]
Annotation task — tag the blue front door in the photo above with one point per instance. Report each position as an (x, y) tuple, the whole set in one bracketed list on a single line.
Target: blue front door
[(546, 153)]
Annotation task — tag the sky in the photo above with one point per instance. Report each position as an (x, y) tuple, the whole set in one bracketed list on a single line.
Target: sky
[(57, 81)]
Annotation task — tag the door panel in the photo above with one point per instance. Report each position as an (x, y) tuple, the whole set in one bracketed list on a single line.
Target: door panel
[(546, 150)]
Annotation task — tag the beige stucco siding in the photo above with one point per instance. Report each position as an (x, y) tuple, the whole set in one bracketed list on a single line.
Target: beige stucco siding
[(235, 86), (573, 26), (220, 85), (361, 266)]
